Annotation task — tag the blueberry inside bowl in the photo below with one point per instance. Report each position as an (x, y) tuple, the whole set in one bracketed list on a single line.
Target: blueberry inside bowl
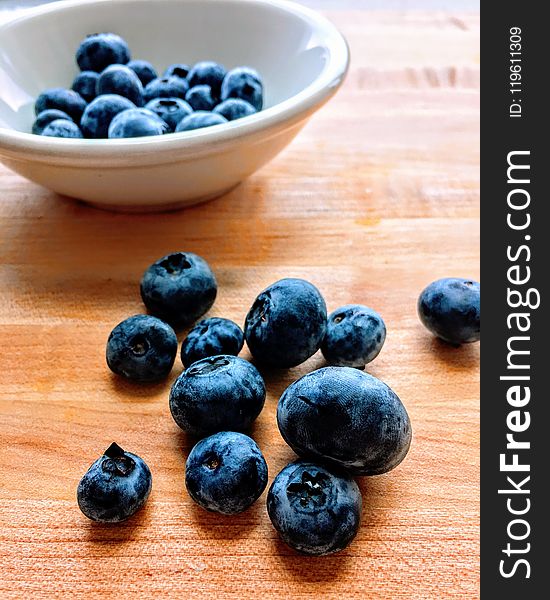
[(301, 56)]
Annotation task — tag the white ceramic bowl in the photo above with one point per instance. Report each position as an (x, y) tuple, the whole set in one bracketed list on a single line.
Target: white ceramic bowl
[(302, 57)]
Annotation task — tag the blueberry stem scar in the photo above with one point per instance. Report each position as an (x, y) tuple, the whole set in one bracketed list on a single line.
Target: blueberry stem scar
[(114, 451)]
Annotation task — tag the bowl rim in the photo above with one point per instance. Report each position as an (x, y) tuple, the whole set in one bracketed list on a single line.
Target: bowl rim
[(198, 142)]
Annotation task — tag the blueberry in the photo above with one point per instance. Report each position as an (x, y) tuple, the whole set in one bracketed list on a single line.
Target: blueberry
[(170, 110), (315, 510), (355, 335), (450, 309), (226, 473), (347, 418), (118, 79), (286, 323), (142, 348), (46, 117), (200, 98), (62, 128), (67, 101), (234, 108), (211, 337), (100, 112), (177, 70), (144, 70), (85, 84), (200, 119), (207, 73), (244, 83), (179, 288), (218, 393), (115, 487), (136, 122), (166, 87), (99, 50)]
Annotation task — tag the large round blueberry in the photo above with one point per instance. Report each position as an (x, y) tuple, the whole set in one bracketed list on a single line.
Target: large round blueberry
[(207, 73), (315, 510), (142, 348), (226, 473), (85, 84), (244, 83), (177, 70), (219, 393), (200, 98), (179, 288), (144, 70), (115, 487), (355, 335), (99, 50), (200, 119), (67, 101), (450, 309), (46, 117), (166, 87), (119, 79), (347, 418), (136, 122), (286, 323), (234, 108), (62, 128), (170, 110), (100, 112), (211, 337)]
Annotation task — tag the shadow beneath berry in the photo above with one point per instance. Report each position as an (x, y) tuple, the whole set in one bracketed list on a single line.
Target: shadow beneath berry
[(129, 391), (277, 380), (463, 358), (313, 569), (215, 526), (107, 534)]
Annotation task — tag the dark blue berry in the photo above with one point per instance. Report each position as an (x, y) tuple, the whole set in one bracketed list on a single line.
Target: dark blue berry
[(286, 323), (315, 510), (179, 288), (226, 473), (200, 98), (119, 79), (142, 348), (115, 487), (234, 108), (166, 87), (207, 73), (67, 101), (211, 337), (244, 83), (219, 393), (62, 128), (136, 122), (100, 112), (46, 117), (99, 50), (170, 110), (144, 70), (85, 84), (177, 70), (200, 119), (347, 418), (450, 309), (355, 335)]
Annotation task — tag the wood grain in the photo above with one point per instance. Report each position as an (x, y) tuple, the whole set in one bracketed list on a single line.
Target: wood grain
[(377, 197)]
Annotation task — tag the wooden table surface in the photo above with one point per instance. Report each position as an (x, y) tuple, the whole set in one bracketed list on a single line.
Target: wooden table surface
[(378, 196)]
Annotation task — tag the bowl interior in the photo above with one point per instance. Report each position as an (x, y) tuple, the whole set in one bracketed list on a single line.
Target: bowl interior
[(279, 40)]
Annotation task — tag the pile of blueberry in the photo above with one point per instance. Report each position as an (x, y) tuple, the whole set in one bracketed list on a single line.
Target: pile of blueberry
[(116, 97), (340, 420)]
